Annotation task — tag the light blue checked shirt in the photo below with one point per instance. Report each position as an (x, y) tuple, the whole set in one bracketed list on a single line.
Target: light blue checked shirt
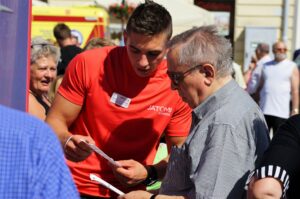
[(32, 164), (226, 142)]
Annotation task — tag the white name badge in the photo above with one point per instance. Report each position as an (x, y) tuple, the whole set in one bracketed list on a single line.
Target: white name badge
[(120, 100)]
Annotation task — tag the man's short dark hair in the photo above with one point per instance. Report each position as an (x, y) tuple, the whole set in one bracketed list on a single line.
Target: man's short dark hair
[(263, 47), (151, 19), (61, 31)]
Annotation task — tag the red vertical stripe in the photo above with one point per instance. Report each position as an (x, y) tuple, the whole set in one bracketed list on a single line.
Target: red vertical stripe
[(28, 53)]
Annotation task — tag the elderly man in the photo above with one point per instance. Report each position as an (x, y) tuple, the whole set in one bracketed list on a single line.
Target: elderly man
[(228, 134), (262, 54), (279, 85)]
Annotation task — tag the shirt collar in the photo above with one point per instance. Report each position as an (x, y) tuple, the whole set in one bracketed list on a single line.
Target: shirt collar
[(215, 101)]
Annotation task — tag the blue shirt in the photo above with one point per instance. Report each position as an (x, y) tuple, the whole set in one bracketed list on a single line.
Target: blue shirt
[(32, 164)]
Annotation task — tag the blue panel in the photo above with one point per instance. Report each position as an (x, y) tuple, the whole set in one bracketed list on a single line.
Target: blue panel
[(14, 34)]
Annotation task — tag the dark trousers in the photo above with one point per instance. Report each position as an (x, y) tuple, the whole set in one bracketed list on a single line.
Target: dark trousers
[(274, 122)]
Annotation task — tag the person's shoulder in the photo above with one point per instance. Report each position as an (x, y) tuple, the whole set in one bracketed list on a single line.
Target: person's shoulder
[(264, 60), (238, 103), (290, 62), (11, 113), (162, 67), (20, 127), (18, 120), (235, 65), (297, 51), (73, 48), (35, 107), (271, 62), (163, 63), (294, 121), (69, 52), (101, 53)]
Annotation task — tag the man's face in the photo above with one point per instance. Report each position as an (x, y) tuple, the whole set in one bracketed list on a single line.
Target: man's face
[(189, 81), (279, 51), (145, 52)]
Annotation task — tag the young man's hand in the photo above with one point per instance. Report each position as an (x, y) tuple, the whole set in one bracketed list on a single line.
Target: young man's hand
[(130, 173), (76, 150)]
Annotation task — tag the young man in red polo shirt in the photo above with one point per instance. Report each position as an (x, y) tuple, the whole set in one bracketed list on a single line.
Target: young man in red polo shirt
[(119, 98)]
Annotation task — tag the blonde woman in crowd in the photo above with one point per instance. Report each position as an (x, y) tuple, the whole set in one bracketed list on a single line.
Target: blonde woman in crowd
[(43, 67)]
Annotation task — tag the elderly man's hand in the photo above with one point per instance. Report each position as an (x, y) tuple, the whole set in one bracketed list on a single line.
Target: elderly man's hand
[(130, 173)]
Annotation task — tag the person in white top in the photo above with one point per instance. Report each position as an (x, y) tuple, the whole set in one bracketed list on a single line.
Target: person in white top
[(262, 55), (278, 86), (238, 75)]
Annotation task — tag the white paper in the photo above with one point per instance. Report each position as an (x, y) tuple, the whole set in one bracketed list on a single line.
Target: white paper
[(100, 152), (105, 184)]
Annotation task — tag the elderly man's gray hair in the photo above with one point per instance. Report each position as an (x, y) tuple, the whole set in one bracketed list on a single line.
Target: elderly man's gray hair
[(203, 45)]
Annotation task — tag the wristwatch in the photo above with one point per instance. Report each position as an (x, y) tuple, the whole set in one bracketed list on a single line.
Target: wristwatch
[(151, 175)]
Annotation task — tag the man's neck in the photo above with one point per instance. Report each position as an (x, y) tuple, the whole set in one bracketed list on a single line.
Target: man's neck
[(66, 42), (263, 56), (220, 82)]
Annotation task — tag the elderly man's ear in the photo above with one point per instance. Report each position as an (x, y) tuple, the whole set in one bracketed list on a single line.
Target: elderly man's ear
[(208, 72)]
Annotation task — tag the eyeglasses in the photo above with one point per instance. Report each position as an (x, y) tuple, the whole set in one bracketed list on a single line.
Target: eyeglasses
[(177, 77), (281, 49), (41, 45)]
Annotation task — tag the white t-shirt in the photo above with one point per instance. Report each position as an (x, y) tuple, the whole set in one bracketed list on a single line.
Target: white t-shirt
[(256, 74), (275, 95)]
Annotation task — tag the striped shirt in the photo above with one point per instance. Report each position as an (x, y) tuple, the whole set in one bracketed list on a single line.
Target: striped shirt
[(271, 171), (227, 139), (282, 159)]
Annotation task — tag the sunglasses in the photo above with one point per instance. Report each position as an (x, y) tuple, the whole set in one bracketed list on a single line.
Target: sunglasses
[(177, 77), (281, 49), (41, 45)]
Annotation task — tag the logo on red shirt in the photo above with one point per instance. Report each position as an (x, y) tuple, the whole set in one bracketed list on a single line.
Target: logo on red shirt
[(161, 110)]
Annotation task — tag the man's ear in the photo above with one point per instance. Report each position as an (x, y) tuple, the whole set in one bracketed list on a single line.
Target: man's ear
[(209, 73)]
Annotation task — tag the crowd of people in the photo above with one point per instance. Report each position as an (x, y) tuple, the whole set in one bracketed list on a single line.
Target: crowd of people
[(186, 89), (274, 84)]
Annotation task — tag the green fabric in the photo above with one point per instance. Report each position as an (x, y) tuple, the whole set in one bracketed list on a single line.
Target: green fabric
[(162, 152)]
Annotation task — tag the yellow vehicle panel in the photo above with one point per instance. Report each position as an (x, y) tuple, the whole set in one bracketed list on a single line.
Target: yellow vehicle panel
[(85, 22)]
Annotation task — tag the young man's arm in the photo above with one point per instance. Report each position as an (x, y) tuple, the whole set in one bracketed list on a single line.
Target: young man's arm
[(61, 115), (161, 167), (132, 172)]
